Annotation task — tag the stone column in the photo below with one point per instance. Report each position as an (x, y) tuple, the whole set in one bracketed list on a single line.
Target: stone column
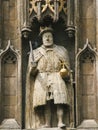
[(0, 48), (23, 20), (20, 23), (26, 11), (0, 22), (70, 12), (20, 16), (85, 28), (96, 23), (76, 23), (96, 7)]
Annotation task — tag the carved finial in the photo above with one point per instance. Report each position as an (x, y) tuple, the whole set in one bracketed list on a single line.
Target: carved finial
[(9, 42), (24, 24), (87, 44), (87, 41)]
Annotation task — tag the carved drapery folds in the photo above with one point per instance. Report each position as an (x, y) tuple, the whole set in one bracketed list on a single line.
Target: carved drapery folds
[(47, 7), (10, 94), (86, 65)]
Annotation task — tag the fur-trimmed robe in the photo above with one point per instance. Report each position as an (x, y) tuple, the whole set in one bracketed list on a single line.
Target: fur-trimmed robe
[(48, 65)]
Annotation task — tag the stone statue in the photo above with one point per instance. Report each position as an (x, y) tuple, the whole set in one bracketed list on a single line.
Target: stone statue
[(48, 72)]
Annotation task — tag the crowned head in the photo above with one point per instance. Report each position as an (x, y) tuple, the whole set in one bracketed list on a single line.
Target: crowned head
[(46, 34)]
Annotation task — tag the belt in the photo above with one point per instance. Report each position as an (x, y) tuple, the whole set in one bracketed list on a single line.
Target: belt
[(48, 71)]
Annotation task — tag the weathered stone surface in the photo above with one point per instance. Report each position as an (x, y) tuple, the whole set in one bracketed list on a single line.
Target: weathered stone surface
[(6, 10), (13, 14), (88, 124), (87, 30), (9, 124), (56, 128), (87, 8), (10, 129)]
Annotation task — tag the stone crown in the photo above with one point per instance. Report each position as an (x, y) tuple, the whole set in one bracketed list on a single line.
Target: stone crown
[(44, 30)]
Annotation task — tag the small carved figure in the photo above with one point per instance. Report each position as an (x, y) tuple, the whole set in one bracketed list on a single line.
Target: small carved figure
[(50, 70)]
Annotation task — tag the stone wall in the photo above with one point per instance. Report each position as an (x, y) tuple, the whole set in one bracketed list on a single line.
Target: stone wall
[(13, 15)]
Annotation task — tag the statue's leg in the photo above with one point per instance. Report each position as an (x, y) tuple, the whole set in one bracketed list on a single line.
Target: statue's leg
[(48, 115), (60, 114)]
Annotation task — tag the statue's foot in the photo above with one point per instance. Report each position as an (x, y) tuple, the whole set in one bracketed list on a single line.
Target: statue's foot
[(61, 125), (45, 126)]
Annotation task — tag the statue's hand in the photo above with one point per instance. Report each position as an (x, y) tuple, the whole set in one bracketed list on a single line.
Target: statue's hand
[(33, 64), (34, 69)]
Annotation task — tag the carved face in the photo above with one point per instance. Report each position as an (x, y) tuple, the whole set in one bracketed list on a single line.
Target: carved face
[(47, 39)]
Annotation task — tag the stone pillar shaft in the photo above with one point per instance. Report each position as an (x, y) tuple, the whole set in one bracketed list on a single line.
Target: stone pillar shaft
[(70, 12), (97, 56)]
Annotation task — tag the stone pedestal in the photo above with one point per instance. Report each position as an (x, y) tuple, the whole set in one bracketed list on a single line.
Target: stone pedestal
[(88, 125), (9, 124), (55, 128)]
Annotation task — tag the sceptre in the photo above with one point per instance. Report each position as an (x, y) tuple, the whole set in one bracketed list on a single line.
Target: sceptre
[(31, 50)]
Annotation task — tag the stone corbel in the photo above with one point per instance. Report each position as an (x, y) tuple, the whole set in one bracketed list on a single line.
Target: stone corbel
[(70, 30), (25, 31)]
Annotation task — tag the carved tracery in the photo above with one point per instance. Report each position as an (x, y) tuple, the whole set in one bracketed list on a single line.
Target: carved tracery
[(54, 7), (9, 58), (87, 57)]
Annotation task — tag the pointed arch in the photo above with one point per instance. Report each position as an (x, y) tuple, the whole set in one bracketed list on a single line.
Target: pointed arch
[(87, 47), (85, 83)]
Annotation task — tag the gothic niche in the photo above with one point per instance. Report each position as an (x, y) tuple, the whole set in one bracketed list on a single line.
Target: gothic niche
[(10, 102), (86, 84), (46, 13), (9, 85)]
